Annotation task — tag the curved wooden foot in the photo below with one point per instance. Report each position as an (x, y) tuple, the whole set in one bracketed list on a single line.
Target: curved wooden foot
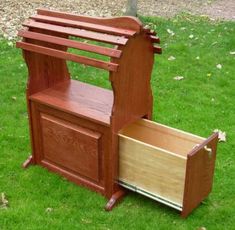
[(115, 199), (28, 162)]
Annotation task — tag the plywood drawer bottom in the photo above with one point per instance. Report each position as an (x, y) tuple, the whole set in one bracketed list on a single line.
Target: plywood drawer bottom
[(166, 164)]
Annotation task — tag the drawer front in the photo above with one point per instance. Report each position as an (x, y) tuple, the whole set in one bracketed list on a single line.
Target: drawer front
[(199, 173), (152, 171), (70, 146)]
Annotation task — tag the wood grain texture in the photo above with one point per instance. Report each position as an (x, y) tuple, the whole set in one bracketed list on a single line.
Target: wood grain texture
[(62, 107), (182, 176), (199, 174), (165, 137), (80, 99), (130, 23), (73, 177), (71, 43), (76, 176), (67, 56), (72, 146), (84, 25), (74, 126), (115, 199), (152, 169), (111, 39), (132, 93), (137, 99), (41, 77)]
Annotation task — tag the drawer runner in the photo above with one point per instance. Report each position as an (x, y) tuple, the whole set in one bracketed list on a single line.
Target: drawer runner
[(150, 195)]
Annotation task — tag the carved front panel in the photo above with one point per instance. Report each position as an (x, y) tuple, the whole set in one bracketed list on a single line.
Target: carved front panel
[(71, 146)]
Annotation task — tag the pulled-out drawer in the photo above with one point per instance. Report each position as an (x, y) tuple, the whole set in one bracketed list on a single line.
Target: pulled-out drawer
[(166, 164)]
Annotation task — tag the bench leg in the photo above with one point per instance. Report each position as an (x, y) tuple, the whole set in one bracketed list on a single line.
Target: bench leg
[(28, 162), (115, 199)]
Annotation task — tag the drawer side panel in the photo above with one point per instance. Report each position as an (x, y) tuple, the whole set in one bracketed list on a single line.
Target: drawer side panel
[(152, 169)]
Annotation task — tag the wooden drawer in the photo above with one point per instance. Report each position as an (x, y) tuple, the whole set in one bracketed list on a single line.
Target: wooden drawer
[(166, 164)]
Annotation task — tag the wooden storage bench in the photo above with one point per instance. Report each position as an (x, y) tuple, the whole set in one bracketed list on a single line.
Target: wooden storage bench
[(68, 140), (166, 164), (103, 139)]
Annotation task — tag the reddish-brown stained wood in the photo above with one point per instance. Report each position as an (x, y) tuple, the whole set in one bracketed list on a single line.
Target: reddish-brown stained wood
[(71, 43), (74, 126), (124, 110), (77, 98), (130, 23), (199, 174), (84, 25), (155, 39), (115, 199), (116, 40), (150, 32), (60, 136), (60, 108), (136, 102), (39, 79), (157, 49), (39, 110), (75, 178), (67, 56)]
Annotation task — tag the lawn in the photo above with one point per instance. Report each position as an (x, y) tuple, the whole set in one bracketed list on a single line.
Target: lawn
[(202, 101)]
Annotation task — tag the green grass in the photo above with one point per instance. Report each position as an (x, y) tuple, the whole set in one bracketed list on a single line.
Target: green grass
[(199, 104)]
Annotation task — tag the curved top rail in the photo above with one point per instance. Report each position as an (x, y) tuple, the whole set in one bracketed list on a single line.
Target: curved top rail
[(84, 25), (49, 33), (125, 22)]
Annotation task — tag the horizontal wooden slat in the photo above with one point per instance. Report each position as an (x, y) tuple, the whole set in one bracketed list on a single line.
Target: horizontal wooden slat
[(116, 40), (150, 32), (130, 23), (70, 43), (155, 39), (84, 25), (157, 49), (67, 56)]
